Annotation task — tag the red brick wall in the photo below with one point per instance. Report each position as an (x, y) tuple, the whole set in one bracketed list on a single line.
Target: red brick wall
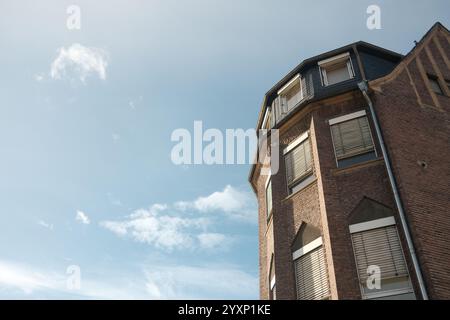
[(340, 191), (416, 126)]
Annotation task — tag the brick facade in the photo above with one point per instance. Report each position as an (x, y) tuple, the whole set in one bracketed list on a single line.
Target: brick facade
[(415, 125)]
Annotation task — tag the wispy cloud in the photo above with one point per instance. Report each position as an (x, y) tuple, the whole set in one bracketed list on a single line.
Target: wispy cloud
[(44, 224), (156, 227), (234, 202), (134, 102), (78, 61), (200, 282), (82, 217), (39, 77), (25, 281), (157, 281), (14, 276), (214, 241)]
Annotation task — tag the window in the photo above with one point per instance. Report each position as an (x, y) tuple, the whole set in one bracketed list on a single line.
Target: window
[(352, 139), (298, 162), (291, 94), (269, 198), (311, 278), (434, 84), (336, 69), (273, 294), (376, 244)]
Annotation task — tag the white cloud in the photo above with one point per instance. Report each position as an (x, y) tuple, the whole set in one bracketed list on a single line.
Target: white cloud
[(236, 203), (200, 282), (161, 230), (160, 281), (214, 241), (14, 276), (39, 77), (17, 280), (173, 226), (82, 217), (44, 224), (80, 61), (134, 102)]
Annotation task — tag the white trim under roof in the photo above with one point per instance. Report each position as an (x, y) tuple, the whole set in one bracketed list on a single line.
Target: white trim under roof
[(347, 117), (374, 224), (296, 142), (334, 59), (307, 248), (290, 83)]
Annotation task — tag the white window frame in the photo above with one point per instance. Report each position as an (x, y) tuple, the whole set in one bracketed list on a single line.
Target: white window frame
[(347, 117), (373, 224), (288, 86), (296, 142), (307, 178), (307, 248), (370, 225), (334, 60)]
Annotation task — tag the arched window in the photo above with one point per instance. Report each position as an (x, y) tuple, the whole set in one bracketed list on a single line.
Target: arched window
[(382, 270), (311, 276)]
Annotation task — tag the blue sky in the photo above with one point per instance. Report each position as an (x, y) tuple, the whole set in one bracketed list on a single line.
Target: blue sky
[(86, 117)]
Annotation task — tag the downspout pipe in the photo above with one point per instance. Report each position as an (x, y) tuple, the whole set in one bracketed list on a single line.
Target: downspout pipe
[(363, 86)]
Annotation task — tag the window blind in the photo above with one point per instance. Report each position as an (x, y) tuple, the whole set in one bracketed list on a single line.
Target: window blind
[(311, 276), (352, 137), (298, 162), (380, 247), (293, 96)]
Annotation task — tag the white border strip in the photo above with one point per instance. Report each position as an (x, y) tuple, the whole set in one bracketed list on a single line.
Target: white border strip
[(287, 85), (347, 117), (266, 116), (295, 143), (272, 283), (308, 248), (379, 223), (338, 57)]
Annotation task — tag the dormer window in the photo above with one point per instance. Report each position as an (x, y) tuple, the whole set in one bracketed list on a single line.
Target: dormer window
[(336, 69), (291, 94)]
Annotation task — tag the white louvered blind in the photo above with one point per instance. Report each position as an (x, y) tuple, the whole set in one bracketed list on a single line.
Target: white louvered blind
[(311, 276), (337, 73), (298, 162), (293, 96), (352, 137), (380, 247)]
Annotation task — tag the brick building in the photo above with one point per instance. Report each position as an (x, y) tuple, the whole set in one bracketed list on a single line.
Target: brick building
[(359, 208)]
